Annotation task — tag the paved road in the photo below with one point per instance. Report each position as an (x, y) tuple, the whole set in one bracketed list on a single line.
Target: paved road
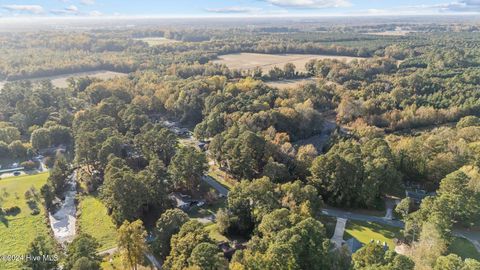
[(361, 217), (153, 260), (108, 251), (221, 189), (473, 237)]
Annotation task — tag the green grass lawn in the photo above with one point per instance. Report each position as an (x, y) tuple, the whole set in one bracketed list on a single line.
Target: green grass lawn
[(95, 221), (463, 248), (219, 176), (366, 231), (17, 231), (214, 234)]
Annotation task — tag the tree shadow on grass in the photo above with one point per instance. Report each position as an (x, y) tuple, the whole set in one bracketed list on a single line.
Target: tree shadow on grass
[(3, 218)]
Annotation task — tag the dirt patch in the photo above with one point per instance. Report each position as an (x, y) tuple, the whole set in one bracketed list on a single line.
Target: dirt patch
[(247, 61)]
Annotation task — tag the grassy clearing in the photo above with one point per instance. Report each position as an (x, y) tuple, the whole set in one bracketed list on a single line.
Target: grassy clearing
[(214, 234), (248, 61), (463, 248), (366, 231), (290, 84), (154, 41), (95, 221), (17, 231), (222, 177)]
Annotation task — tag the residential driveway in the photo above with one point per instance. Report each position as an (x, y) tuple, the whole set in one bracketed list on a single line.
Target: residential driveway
[(217, 186), (361, 217), (337, 238)]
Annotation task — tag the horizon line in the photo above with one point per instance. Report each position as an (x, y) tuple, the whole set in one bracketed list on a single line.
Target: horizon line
[(239, 16)]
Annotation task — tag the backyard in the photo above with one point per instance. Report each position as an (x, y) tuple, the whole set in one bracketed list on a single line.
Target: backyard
[(19, 228), (367, 231), (94, 220)]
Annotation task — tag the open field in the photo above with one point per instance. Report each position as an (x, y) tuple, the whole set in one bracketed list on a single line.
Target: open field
[(19, 229), (61, 80), (247, 61), (464, 248), (288, 84), (367, 231), (154, 41), (95, 221), (397, 33)]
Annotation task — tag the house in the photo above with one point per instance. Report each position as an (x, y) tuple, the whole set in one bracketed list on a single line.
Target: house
[(181, 202), (185, 202), (203, 146), (353, 245), (417, 195), (228, 251)]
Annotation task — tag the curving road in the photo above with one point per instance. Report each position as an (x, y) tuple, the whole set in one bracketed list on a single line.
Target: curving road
[(361, 217)]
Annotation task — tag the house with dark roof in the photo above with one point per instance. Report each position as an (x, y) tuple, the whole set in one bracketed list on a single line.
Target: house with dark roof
[(353, 245), (417, 195)]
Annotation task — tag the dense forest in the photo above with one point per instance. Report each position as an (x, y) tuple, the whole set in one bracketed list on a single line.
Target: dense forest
[(406, 116)]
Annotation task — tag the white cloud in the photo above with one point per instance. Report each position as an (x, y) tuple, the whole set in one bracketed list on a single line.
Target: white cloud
[(310, 3), (462, 6), (233, 10), (70, 10), (34, 9), (95, 13), (87, 2), (469, 6)]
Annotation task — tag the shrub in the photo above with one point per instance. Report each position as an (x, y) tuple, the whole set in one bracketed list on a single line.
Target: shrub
[(29, 165), (49, 161)]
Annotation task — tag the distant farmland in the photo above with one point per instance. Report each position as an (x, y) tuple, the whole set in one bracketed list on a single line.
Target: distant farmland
[(154, 41), (61, 80), (248, 61)]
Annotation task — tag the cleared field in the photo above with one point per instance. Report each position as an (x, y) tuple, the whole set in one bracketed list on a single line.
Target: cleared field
[(18, 229), (288, 84), (247, 61), (397, 33), (367, 231), (95, 221), (61, 80), (154, 41)]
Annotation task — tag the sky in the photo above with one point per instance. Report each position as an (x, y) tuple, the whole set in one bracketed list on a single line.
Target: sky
[(232, 8)]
